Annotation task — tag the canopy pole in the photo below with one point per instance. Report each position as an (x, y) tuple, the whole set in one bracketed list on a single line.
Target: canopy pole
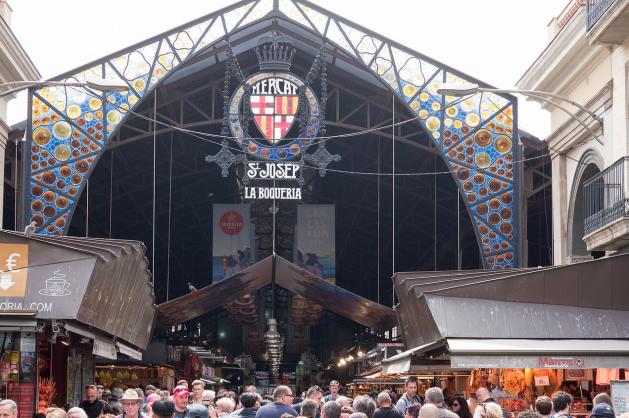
[(170, 207), (154, 160), (393, 195)]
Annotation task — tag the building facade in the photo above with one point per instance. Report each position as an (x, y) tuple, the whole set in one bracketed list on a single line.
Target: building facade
[(15, 65), (587, 61)]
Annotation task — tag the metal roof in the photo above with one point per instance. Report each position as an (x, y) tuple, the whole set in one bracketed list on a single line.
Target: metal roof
[(287, 275), (105, 283)]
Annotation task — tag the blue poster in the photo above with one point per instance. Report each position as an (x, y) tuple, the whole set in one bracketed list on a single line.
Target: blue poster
[(315, 247), (231, 240)]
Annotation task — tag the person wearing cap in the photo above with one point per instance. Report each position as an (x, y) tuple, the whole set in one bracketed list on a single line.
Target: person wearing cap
[(150, 399), (92, 405), (603, 410), (131, 405), (180, 399), (334, 392)]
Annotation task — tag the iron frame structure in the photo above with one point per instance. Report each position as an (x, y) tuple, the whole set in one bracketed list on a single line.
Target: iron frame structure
[(477, 137)]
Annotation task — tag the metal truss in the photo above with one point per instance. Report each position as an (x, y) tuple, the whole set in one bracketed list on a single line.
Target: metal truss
[(69, 128)]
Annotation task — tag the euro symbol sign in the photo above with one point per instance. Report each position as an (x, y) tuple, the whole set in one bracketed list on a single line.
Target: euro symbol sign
[(11, 262)]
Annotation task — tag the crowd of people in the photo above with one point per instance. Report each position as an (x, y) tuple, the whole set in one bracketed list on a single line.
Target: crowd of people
[(195, 402)]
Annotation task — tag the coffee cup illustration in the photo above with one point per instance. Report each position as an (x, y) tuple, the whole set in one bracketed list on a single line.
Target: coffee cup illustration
[(56, 285)]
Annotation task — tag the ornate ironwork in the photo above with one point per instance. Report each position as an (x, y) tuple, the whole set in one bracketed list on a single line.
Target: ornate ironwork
[(69, 128)]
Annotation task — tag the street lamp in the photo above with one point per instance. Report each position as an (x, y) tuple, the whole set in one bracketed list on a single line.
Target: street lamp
[(460, 90), (94, 83)]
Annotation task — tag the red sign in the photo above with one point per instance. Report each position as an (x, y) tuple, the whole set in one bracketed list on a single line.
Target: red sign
[(231, 222), (24, 396)]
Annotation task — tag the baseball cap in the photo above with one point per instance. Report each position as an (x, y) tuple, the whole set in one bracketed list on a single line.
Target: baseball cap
[(181, 391), (603, 410)]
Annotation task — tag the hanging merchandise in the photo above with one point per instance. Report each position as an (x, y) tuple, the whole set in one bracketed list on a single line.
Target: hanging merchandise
[(274, 347), (513, 381)]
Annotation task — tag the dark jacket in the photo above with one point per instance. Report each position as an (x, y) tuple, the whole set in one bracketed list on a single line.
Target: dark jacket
[(92, 409), (246, 413), (275, 410), (389, 412)]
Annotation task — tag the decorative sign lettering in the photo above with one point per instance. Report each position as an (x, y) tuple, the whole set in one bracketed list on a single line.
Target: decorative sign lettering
[(287, 117), (561, 362)]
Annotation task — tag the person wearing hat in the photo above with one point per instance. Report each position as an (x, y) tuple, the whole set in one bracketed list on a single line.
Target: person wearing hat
[(603, 410), (180, 399), (131, 405)]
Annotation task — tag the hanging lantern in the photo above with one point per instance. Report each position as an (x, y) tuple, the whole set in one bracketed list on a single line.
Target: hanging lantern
[(274, 347)]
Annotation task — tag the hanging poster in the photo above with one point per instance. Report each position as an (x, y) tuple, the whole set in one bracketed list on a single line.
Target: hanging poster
[(232, 238), (315, 247)]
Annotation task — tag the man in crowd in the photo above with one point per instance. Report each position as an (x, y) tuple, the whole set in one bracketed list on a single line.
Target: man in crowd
[(544, 406), (197, 392), (92, 405), (250, 389), (603, 410), (602, 398), (131, 404), (334, 391), (8, 409), (410, 396), (314, 393), (163, 408), (331, 410), (183, 382), (385, 409), (344, 401), (309, 408), (429, 411), (561, 404), (434, 396), (365, 404), (249, 402), (180, 399), (282, 401)]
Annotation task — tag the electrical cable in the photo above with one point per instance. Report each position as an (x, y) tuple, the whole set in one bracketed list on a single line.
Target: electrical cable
[(238, 150)]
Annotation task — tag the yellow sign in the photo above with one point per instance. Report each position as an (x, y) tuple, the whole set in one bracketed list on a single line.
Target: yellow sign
[(13, 269)]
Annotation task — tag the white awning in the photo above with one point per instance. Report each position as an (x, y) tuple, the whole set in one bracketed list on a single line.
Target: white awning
[(533, 346)]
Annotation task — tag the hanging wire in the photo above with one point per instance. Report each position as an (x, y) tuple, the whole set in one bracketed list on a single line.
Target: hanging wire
[(393, 194), (154, 171), (199, 135), (170, 208)]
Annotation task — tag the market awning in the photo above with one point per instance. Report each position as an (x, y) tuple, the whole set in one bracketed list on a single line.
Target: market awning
[(290, 277), (96, 284), (564, 310), (468, 353)]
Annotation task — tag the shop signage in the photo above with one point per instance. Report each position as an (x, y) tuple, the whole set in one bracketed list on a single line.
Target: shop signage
[(619, 391), (104, 349), (274, 116), (561, 362)]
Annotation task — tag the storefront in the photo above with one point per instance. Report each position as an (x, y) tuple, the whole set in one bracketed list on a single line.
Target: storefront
[(65, 301), (521, 333)]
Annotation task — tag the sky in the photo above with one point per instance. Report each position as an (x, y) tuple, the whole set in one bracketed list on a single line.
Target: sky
[(491, 40)]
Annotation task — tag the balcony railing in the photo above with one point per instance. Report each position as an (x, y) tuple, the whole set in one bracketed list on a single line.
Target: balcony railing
[(606, 196), (595, 9)]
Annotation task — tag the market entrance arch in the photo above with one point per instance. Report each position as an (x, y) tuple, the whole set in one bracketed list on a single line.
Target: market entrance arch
[(69, 129)]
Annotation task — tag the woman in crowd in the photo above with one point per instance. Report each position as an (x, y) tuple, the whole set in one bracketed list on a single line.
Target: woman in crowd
[(460, 407)]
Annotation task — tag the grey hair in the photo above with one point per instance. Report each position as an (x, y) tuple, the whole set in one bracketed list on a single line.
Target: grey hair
[(344, 401), (331, 410), (365, 405), (383, 398), (358, 415), (77, 410), (9, 402), (209, 395), (434, 395)]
